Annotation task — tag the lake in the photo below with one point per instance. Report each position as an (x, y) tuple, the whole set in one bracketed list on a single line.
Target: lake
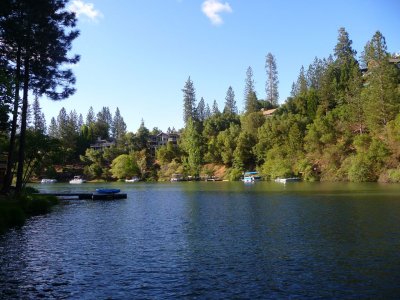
[(210, 240)]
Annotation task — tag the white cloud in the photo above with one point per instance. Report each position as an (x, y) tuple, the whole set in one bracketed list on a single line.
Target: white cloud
[(85, 9), (213, 8)]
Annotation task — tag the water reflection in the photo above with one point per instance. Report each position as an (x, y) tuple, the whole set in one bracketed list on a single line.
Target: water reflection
[(211, 240)]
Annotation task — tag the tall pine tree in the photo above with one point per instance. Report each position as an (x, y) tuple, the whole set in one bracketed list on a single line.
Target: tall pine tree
[(230, 102), (189, 101), (271, 85)]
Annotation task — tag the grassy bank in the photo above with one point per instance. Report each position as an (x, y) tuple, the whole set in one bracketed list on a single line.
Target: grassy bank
[(15, 210)]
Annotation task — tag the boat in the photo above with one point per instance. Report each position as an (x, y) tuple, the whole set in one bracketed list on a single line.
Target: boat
[(107, 191), (176, 177), (48, 180), (77, 180), (251, 177), (290, 179), (133, 179)]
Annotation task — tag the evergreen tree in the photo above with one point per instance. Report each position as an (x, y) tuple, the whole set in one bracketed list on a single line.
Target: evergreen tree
[(80, 121), (141, 139), (250, 98), (215, 109), (103, 123), (345, 63), (315, 72), (189, 101), (271, 85), (381, 95), (38, 122), (207, 112), (53, 128), (230, 102), (201, 110), (90, 117), (118, 128), (36, 37), (252, 104)]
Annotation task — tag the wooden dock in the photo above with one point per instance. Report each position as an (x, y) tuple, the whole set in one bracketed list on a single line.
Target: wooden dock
[(88, 196)]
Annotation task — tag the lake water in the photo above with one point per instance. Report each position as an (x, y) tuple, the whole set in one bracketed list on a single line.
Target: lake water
[(210, 240)]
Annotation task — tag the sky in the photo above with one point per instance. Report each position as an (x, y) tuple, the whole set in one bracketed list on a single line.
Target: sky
[(137, 54)]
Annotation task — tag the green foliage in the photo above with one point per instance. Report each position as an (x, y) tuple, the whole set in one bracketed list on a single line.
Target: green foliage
[(124, 166), (234, 174), (276, 164)]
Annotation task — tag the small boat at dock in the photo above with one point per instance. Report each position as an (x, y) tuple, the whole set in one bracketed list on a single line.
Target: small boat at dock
[(251, 177), (285, 180), (77, 180), (48, 180), (107, 191), (133, 179)]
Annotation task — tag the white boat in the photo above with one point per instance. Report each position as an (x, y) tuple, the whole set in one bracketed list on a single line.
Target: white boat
[(77, 180), (176, 177), (133, 179), (251, 177), (290, 179), (47, 180)]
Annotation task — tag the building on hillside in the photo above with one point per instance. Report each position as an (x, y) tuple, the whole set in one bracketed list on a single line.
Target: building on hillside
[(268, 112), (101, 144), (161, 139), (393, 60)]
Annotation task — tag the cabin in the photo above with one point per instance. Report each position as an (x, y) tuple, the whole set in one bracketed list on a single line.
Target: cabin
[(101, 144)]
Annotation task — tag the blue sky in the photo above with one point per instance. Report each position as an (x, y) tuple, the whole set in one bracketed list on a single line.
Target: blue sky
[(137, 54)]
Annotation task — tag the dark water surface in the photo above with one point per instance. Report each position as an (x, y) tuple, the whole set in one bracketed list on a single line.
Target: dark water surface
[(210, 240)]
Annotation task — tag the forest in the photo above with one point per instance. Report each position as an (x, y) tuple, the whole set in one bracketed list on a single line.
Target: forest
[(340, 123)]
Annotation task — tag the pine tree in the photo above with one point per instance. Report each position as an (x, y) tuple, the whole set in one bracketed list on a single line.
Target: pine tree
[(38, 119), (189, 101), (103, 123), (201, 110), (215, 109), (380, 95), (53, 128), (230, 102), (36, 37), (207, 112), (271, 85), (118, 128), (344, 64), (250, 97), (90, 117)]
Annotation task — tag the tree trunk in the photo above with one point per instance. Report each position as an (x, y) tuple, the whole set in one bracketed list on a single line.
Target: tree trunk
[(10, 160), (21, 153)]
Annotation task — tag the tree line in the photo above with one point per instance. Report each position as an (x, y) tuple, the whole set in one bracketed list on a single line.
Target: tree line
[(340, 123)]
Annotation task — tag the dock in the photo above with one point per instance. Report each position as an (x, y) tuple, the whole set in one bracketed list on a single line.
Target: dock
[(88, 196)]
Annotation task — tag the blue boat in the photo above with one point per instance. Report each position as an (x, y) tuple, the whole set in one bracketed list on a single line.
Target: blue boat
[(108, 191)]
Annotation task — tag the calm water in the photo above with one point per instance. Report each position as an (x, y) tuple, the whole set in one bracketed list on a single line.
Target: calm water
[(210, 240)]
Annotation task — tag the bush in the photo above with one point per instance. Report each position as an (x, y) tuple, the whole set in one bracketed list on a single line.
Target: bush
[(390, 176), (235, 174)]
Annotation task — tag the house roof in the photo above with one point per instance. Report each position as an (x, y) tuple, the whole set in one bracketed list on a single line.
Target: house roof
[(268, 112)]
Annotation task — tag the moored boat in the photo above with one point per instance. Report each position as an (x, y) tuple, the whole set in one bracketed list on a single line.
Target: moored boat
[(290, 179), (77, 180), (176, 177), (48, 180), (107, 191), (133, 179), (251, 177)]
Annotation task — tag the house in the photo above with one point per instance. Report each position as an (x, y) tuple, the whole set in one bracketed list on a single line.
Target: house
[(161, 139), (101, 144), (268, 113)]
